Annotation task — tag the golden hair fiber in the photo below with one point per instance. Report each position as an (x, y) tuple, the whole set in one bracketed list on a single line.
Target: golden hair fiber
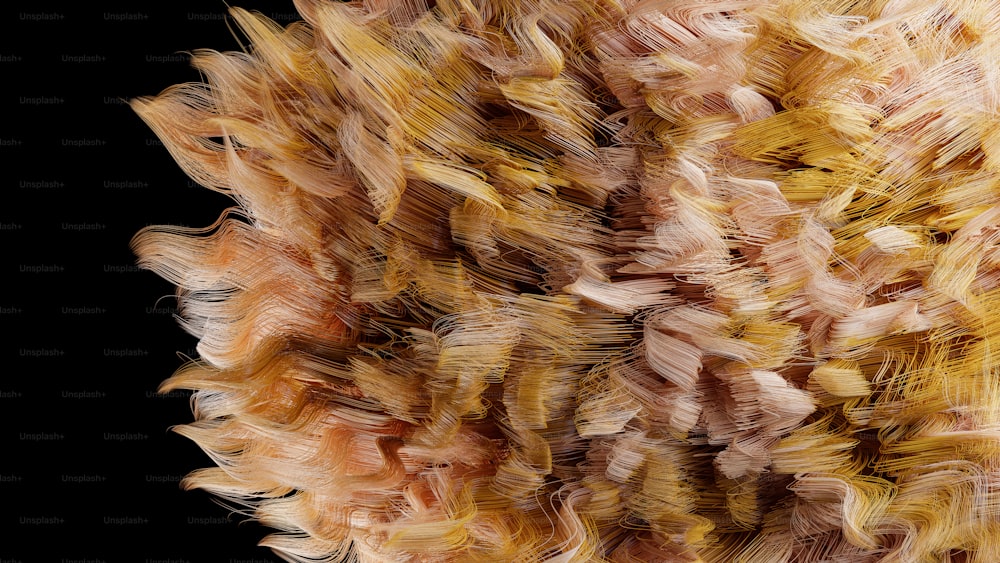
[(605, 280)]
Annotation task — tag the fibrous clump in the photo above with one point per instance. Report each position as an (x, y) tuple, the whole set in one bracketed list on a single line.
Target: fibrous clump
[(598, 280)]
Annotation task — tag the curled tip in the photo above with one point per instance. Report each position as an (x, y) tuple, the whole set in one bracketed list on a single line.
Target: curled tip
[(539, 280)]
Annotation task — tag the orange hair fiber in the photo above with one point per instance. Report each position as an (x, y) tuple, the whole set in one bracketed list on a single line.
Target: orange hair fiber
[(605, 280)]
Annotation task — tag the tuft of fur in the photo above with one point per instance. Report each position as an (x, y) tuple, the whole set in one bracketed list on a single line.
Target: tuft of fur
[(608, 280)]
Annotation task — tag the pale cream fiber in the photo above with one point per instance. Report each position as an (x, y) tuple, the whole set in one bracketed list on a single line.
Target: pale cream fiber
[(566, 281)]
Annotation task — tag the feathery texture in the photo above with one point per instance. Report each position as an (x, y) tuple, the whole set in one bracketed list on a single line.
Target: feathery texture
[(607, 280)]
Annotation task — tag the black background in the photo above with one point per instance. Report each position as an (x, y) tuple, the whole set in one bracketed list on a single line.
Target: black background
[(89, 470)]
